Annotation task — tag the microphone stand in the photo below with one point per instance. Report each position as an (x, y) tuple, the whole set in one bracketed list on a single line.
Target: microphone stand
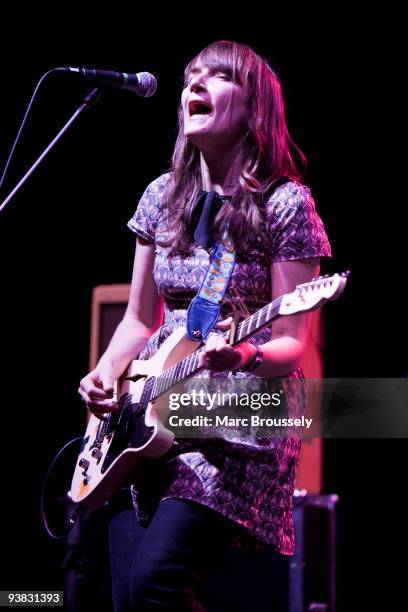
[(88, 102)]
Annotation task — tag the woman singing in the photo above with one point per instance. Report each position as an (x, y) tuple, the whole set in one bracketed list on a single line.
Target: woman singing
[(235, 168)]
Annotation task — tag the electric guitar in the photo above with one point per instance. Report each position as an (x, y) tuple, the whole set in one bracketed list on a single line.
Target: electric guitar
[(136, 432)]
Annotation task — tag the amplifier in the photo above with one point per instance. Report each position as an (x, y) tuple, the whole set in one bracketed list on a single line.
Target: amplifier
[(270, 582)]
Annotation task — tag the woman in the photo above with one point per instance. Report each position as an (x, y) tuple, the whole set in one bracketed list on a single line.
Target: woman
[(206, 494)]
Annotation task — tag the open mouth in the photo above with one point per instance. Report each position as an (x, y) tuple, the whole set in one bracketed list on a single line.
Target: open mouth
[(196, 107)]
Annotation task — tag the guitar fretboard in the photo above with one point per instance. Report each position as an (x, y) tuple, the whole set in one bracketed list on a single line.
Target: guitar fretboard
[(189, 365)]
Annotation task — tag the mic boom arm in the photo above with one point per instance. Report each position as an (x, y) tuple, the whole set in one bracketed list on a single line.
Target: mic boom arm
[(89, 101)]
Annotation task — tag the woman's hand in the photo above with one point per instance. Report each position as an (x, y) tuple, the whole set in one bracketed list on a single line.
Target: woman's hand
[(219, 356), (96, 390)]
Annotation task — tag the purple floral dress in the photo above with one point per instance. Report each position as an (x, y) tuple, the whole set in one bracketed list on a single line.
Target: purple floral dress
[(248, 479)]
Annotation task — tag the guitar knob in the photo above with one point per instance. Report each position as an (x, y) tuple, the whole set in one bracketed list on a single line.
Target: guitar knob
[(97, 453), (84, 463)]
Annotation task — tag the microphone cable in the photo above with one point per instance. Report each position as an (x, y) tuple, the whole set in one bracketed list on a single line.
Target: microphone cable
[(24, 122)]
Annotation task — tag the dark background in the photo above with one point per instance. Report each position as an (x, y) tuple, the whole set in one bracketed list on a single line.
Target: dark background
[(66, 232)]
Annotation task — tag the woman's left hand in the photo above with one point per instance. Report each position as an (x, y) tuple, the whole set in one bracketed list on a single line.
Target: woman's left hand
[(219, 356)]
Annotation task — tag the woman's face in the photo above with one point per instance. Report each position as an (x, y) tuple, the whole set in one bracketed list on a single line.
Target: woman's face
[(214, 108)]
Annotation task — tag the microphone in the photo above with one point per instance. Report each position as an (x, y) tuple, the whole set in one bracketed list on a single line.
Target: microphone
[(142, 84)]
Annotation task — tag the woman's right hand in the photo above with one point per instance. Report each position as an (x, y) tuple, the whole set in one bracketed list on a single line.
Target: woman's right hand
[(96, 390)]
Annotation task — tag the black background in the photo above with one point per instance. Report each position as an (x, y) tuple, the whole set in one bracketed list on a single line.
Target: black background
[(65, 232)]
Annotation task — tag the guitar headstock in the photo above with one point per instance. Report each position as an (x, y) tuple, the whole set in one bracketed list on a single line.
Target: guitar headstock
[(310, 296)]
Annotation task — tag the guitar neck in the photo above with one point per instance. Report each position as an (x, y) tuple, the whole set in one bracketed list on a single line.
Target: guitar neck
[(189, 365), (256, 321)]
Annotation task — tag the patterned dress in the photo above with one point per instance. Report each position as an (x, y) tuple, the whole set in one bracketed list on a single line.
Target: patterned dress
[(246, 478)]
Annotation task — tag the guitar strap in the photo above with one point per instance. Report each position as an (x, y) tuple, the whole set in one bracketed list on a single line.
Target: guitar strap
[(204, 309)]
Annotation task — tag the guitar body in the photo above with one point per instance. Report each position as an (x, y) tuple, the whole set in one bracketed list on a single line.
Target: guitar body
[(135, 432)]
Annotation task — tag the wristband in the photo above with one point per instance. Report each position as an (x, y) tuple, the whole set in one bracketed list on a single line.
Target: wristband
[(255, 361)]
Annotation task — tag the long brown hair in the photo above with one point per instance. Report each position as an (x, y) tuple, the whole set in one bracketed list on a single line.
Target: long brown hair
[(269, 153)]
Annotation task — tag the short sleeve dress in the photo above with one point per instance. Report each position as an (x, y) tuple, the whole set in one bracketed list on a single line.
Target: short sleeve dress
[(250, 480)]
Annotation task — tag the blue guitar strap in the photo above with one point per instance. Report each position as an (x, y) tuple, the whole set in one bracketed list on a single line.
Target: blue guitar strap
[(204, 309)]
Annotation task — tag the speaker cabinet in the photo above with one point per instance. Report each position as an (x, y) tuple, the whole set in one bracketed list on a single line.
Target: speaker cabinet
[(269, 582)]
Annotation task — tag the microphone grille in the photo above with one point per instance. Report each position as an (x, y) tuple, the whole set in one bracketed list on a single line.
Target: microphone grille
[(147, 84)]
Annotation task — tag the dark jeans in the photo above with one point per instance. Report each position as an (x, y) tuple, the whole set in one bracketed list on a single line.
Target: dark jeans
[(161, 566)]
